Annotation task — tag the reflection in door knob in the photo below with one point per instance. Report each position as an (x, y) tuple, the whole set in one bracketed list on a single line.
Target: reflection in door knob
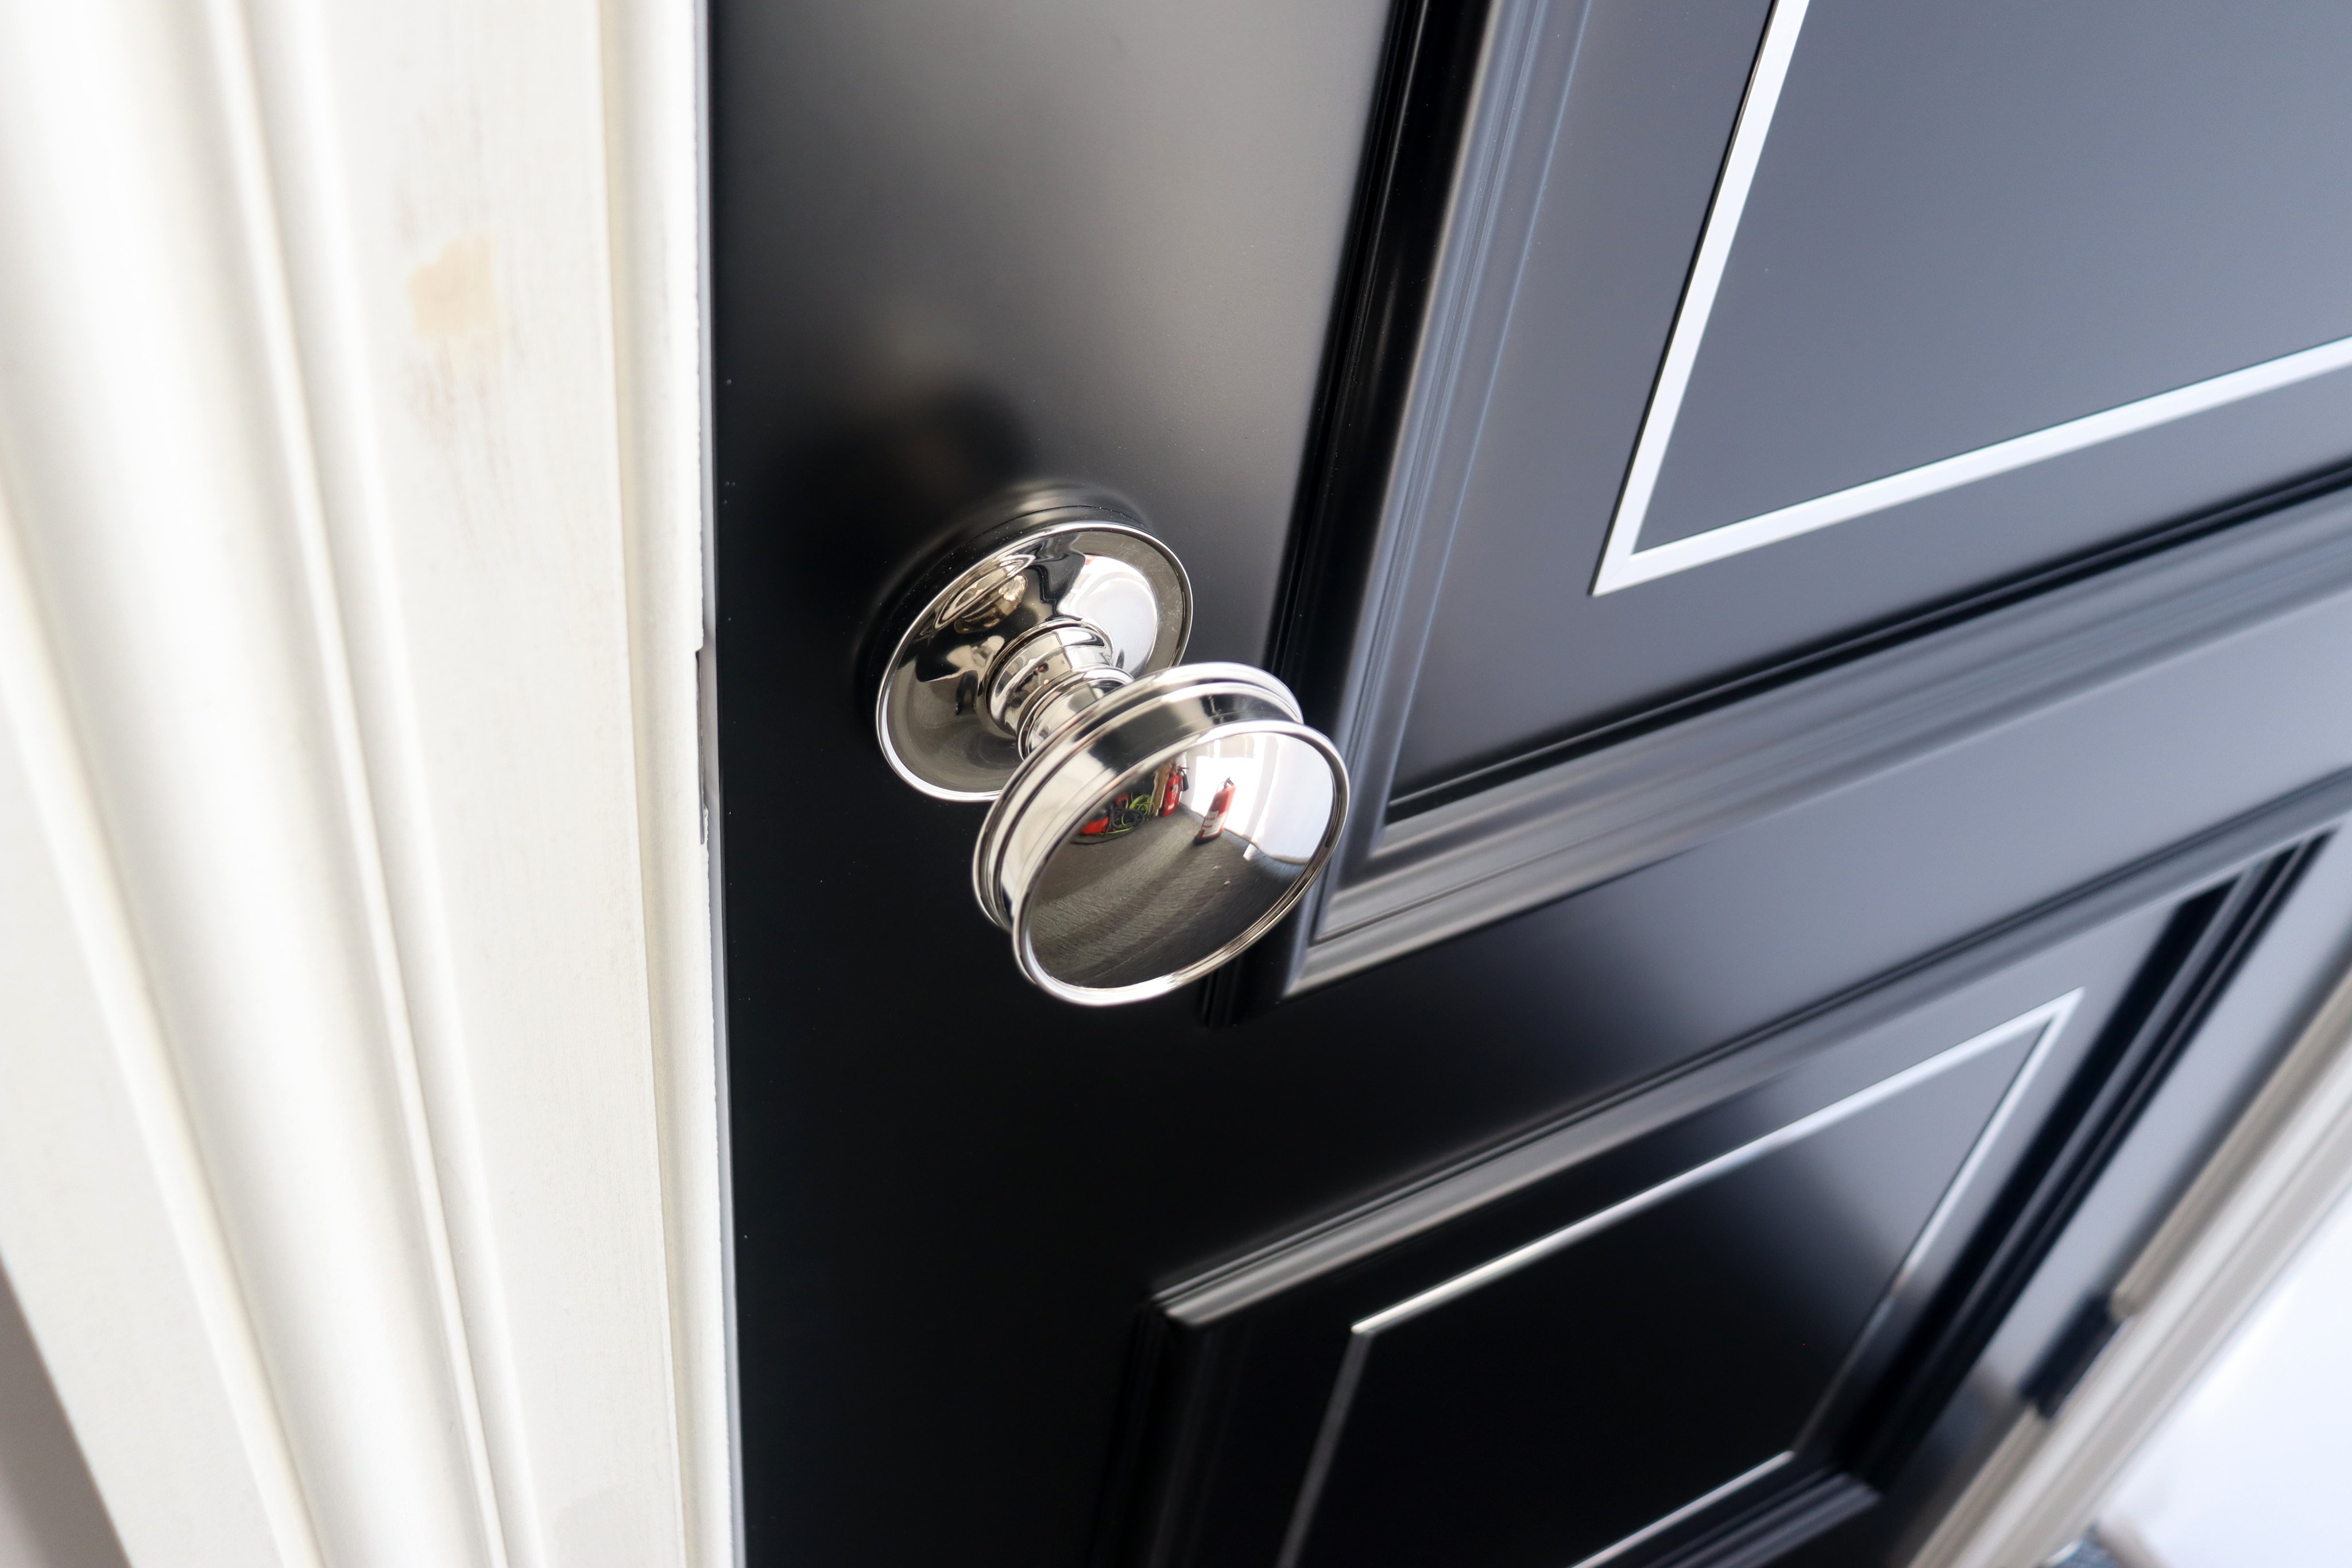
[(1151, 818)]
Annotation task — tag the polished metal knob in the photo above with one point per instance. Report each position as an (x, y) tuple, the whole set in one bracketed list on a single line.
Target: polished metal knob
[(1152, 819)]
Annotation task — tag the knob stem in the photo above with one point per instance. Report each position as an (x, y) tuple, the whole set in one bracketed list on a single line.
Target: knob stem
[(1046, 677)]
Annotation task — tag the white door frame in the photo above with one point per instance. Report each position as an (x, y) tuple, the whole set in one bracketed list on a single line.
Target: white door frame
[(361, 1111)]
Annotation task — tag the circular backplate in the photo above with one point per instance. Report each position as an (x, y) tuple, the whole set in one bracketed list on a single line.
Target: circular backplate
[(1077, 563), (1159, 834)]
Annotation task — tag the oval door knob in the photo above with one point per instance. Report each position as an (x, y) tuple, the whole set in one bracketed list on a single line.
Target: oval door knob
[(1152, 819)]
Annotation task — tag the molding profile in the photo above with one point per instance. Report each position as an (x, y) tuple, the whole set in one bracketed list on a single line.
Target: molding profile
[(1502, 840), (1522, 842), (361, 1182)]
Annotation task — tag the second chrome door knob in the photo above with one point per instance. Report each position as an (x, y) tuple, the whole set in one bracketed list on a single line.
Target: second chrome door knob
[(1151, 818)]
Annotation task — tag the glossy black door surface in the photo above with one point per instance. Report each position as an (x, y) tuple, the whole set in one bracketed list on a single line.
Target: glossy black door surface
[(1769, 988)]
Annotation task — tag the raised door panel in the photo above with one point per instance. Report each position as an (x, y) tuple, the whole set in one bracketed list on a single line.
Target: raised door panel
[(1774, 331), (1604, 1385), (1728, 1308)]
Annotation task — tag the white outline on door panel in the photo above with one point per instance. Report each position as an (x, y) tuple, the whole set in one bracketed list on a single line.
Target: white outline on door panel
[(1624, 563)]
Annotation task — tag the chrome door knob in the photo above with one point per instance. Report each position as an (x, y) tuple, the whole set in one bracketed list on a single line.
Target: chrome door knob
[(1152, 819)]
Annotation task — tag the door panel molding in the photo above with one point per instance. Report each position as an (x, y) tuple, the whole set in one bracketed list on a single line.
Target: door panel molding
[(1461, 158), (2284, 1168), (1237, 1283), (1691, 1509), (1277, 1344), (2156, 1028), (2042, 1025), (1524, 841)]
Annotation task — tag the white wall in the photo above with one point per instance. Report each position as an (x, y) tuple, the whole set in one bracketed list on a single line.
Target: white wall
[(2254, 1465)]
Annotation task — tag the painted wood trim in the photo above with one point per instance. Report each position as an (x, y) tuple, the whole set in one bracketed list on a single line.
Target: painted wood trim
[(353, 452), (118, 1255), (655, 55)]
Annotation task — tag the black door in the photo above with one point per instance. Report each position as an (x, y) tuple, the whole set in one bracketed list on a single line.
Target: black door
[(1820, 532)]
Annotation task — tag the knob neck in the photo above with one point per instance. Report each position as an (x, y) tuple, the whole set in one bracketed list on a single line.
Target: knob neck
[(1047, 677)]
